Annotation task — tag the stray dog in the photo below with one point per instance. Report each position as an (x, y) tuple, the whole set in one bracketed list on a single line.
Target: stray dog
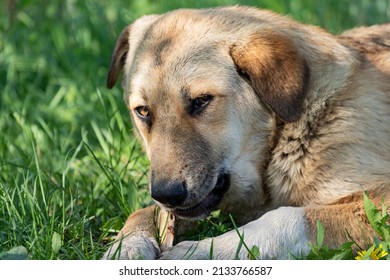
[(278, 123)]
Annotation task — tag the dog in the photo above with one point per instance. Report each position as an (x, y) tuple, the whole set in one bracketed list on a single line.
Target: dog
[(277, 123)]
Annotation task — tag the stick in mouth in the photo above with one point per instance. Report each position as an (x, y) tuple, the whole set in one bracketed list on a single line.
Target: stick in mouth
[(165, 222)]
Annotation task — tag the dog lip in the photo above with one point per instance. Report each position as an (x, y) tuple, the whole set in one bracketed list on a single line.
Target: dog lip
[(223, 183), (203, 208)]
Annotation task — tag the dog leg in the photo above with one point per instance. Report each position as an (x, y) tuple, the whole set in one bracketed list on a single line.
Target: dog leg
[(276, 234), (287, 230), (143, 233)]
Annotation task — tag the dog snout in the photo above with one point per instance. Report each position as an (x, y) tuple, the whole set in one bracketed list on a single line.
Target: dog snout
[(170, 194)]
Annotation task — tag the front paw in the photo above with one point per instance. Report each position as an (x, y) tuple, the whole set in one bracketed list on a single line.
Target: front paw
[(133, 247), (138, 240), (189, 250)]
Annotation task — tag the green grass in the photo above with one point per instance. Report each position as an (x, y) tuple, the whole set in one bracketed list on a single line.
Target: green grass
[(70, 168)]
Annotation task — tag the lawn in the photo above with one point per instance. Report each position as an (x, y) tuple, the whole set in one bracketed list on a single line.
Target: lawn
[(70, 169)]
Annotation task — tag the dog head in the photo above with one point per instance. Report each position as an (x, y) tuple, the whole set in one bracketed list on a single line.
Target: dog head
[(205, 89)]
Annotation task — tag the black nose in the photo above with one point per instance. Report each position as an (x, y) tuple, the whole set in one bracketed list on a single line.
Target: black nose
[(170, 194)]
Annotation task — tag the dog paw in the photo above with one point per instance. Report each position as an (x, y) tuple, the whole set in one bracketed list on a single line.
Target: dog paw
[(189, 250), (133, 247)]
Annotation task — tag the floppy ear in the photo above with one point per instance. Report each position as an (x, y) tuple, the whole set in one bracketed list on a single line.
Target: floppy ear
[(118, 57), (275, 70)]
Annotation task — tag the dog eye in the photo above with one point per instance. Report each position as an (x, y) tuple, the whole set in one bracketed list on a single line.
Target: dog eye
[(199, 103), (143, 113)]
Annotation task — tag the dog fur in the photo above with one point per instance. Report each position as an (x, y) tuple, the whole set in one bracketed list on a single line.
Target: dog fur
[(276, 122)]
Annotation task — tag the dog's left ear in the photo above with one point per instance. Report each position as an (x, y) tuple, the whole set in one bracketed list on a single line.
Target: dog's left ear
[(118, 57), (275, 70)]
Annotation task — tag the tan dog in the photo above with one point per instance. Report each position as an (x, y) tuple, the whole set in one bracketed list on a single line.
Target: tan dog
[(278, 123)]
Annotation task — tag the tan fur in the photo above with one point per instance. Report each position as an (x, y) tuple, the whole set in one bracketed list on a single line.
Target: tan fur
[(141, 220), (298, 117), (345, 218)]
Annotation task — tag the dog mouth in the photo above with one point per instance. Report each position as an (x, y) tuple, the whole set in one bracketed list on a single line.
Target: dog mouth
[(210, 203)]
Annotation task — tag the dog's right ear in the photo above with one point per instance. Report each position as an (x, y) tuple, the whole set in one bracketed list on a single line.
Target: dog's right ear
[(118, 57)]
